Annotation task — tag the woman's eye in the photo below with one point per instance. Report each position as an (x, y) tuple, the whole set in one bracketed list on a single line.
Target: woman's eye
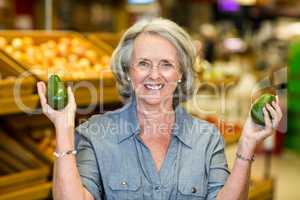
[(143, 64), (167, 65)]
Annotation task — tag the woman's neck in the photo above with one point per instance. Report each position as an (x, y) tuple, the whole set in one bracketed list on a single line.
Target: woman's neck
[(155, 119)]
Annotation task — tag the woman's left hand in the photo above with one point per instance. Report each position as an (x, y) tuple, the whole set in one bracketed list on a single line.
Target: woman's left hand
[(255, 133)]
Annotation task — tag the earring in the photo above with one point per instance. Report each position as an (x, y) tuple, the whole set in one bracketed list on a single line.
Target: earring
[(179, 81), (128, 79)]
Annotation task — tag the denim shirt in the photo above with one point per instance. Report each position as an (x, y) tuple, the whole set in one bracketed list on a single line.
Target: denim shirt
[(114, 163)]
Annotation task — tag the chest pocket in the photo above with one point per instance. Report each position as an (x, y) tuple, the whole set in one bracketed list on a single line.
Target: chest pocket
[(193, 188), (124, 187)]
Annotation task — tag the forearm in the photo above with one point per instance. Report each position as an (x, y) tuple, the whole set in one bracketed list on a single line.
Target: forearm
[(237, 184), (66, 179)]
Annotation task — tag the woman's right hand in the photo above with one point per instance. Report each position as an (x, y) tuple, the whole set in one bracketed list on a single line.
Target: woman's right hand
[(62, 119)]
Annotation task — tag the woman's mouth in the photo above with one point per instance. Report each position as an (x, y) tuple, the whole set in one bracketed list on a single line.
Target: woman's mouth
[(153, 86)]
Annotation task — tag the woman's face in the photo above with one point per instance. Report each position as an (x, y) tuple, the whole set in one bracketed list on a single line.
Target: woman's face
[(154, 69)]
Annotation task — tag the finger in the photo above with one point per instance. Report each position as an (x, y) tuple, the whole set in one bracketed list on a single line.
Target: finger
[(41, 93), (275, 116), (71, 97), (47, 110), (268, 124), (278, 109), (272, 111)]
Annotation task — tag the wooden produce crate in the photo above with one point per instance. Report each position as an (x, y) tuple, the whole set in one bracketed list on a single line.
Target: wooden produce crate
[(14, 79), (35, 192), (67, 54), (25, 169), (20, 104), (95, 39), (112, 39), (40, 141)]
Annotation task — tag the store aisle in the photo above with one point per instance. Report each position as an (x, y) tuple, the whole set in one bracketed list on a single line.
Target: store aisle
[(285, 169)]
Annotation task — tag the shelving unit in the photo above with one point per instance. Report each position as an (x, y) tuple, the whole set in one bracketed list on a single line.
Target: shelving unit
[(97, 88)]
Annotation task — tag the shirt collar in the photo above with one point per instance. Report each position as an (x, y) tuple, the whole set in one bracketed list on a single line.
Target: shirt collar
[(180, 129), (129, 120)]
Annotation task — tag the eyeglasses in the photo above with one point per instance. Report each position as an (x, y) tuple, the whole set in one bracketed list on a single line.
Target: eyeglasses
[(146, 65)]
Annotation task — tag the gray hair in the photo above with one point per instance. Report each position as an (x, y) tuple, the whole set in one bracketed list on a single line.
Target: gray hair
[(121, 57)]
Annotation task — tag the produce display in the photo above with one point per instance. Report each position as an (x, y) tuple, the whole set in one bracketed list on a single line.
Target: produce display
[(11, 78), (63, 53), (22, 174), (257, 108), (57, 93)]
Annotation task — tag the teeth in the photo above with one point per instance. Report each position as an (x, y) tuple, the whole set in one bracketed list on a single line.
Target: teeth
[(153, 87)]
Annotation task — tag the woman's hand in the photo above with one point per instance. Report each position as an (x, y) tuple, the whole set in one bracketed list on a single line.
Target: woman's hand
[(255, 134), (62, 119)]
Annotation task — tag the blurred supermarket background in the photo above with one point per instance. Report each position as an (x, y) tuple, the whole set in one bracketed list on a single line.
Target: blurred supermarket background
[(246, 48)]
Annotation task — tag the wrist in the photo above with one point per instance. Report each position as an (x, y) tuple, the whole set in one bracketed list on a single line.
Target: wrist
[(64, 129), (64, 138), (246, 147), (247, 159), (63, 145), (65, 123)]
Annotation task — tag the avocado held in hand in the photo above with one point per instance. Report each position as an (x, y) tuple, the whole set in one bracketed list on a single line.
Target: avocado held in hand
[(57, 93), (257, 108)]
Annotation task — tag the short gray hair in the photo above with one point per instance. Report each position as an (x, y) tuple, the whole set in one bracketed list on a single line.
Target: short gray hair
[(121, 57)]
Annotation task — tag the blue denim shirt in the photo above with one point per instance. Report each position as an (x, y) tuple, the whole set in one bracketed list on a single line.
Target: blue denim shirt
[(114, 163)]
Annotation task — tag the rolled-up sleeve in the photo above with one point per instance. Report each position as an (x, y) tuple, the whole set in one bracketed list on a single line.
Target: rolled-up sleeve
[(87, 166), (218, 168)]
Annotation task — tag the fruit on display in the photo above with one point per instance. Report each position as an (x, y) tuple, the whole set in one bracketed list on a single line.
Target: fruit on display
[(257, 108), (57, 93), (69, 57)]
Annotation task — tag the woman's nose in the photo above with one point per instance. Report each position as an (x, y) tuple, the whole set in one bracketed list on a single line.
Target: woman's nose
[(154, 72)]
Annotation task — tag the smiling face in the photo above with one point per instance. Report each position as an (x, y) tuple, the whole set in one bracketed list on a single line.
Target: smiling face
[(154, 69)]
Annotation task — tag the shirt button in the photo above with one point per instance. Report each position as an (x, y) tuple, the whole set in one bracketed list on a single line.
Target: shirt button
[(157, 188), (124, 183), (194, 190)]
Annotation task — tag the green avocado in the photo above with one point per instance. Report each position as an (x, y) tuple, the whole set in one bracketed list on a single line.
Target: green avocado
[(257, 108), (57, 93)]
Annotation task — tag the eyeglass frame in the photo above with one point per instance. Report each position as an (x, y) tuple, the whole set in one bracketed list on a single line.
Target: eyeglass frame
[(159, 65)]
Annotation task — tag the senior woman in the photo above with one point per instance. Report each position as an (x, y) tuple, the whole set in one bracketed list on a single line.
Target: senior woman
[(151, 148)]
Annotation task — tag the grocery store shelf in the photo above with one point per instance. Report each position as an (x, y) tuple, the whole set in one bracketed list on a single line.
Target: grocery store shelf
[(11, 105), (35, 192), (17, 105)]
